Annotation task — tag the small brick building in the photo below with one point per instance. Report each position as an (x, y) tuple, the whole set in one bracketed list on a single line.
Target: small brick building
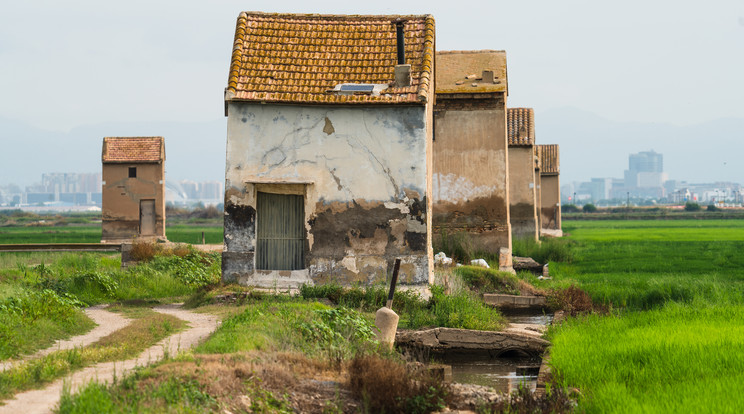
[(471, 181), (133, 188), (523, 182)]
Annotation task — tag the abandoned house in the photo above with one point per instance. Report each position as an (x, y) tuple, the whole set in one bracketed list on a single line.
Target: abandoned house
[(470, 175), (328, 149), (522, 180), (133, 188), (550, 187)]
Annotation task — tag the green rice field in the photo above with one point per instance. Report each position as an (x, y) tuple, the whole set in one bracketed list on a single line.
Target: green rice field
[(674, 341), (180, 233)]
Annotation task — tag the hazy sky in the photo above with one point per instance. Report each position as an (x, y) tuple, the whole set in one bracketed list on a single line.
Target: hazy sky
[(76, 62)]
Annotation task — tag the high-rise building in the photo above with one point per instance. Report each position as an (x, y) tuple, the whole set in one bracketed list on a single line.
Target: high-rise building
[(645, 175)]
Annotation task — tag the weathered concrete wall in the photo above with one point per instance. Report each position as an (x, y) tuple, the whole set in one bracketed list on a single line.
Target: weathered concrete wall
[(363, 174), (121, 200), (522, 192), (470, 177), (538, 196), (551, 201)]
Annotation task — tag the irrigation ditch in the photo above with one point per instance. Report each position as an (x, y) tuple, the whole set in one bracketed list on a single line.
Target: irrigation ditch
[(502, 360)]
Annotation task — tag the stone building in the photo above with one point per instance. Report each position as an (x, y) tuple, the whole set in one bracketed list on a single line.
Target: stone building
[(470, 176), (550, 187), (133, 179), (522, 179), (328, 149)]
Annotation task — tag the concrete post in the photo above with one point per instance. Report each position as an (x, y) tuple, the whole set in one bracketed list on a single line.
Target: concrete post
[(386, 321)]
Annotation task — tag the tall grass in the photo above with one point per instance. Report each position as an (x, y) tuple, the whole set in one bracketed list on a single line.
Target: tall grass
[(677, 358), (547, 250), (675, 343)]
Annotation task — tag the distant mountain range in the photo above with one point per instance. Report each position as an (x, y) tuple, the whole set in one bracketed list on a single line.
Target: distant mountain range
[(590, 146)]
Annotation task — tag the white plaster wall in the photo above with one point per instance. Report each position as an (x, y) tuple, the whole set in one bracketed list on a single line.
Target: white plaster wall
[(372, 153)]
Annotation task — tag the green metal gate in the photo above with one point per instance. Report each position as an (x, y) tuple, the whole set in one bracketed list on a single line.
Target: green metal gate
[(281, 231)]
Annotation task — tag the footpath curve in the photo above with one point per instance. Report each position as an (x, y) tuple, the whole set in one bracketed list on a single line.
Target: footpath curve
[(45, 400), (107, 322)]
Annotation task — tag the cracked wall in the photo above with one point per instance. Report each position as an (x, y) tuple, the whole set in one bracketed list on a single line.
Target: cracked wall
[(121, 198), (523, 192), (470, 177), (363, 174)]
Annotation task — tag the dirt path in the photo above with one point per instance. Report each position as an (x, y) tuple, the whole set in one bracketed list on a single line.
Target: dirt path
[(107, 322), (43, 401)]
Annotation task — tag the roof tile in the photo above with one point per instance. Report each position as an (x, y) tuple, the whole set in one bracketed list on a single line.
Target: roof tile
[(549, 159), (133, 150), (521, 126), (298, 58)]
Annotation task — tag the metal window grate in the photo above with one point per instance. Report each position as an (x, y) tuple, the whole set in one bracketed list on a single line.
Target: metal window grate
[(280, 231)]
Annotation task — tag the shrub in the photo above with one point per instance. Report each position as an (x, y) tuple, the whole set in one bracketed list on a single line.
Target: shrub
[(690, 206), (489, 280), (390, 386), (369, 298), (143, 251), (573, 301), (337, 333), (194, 269), (569, 208), (712, 207), (589, 208), (463, 309), (523, 400)]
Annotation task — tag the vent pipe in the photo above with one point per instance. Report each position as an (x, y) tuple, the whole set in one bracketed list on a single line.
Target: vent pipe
[(401, 43)]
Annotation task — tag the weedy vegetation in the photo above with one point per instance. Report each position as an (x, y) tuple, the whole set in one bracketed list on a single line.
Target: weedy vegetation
[(122, 344)]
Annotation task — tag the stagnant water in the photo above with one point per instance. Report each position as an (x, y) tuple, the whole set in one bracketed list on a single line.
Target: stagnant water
[(503, 374)]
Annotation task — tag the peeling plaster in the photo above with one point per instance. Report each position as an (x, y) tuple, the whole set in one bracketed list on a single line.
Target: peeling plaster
[(367, 170)]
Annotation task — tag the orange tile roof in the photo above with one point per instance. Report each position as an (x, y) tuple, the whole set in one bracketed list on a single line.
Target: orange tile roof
[(521, 126), (298, 58), (133, 149), (461, 71), (549, 160)]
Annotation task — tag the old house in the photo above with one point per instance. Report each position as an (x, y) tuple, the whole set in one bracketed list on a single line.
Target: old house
[(550, 187), (133, 198), (522, 179), (470, 175), (328, 149)]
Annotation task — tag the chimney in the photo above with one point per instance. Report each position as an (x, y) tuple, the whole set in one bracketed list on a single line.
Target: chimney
[(487, 76), (401, 43), (402, 76), (402, 70)]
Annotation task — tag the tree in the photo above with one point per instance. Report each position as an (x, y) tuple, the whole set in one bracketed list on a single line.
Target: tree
[(589, 208), (690, 206)]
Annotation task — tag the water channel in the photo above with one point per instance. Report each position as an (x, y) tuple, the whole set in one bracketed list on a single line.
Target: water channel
[(504, 373)]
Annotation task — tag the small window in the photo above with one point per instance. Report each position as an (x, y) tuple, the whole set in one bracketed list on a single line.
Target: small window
[(132, 172)]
